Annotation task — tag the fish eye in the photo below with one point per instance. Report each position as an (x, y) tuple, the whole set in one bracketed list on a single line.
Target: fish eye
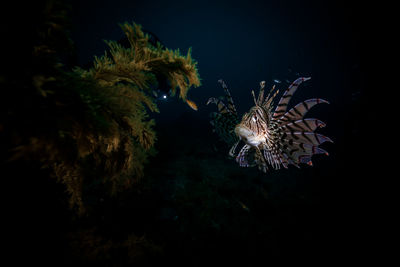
[(254, 118)]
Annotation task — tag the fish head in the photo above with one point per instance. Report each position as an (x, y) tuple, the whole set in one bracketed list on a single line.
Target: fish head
[(253, 127)]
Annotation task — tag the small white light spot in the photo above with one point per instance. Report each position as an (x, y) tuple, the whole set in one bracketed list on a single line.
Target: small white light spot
[(164, 96)]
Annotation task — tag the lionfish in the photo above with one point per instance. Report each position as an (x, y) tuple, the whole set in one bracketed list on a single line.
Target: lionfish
[(270, 135)]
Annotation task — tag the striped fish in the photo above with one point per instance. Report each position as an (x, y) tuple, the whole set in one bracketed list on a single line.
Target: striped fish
[(273, 137), (225, 120)]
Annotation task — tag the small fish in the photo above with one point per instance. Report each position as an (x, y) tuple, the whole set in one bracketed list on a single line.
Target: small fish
[(243, 206), (277, 81), (191, 104)]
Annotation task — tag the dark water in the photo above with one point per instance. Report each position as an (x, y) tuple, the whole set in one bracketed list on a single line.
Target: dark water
[(197, 205)]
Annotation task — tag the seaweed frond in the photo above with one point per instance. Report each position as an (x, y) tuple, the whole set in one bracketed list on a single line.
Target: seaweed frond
[(139, 63), (90, 128)]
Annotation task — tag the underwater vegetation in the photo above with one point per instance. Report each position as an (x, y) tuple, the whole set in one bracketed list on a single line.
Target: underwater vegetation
[(92, 128), (271, 135)]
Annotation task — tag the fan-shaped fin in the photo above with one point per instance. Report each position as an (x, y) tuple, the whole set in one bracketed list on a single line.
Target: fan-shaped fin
[(305, 137), (222, 108), (298, 111), (301, 153), (287, 95), (260, 161), (241, 158), (269, 98), (260, 98), (271, 158), (305, 159), (309, 125), (286, 159), (228, 97), (232, 151)]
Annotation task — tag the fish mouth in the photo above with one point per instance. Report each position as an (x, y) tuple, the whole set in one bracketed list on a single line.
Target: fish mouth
[(243, 132), (248, 136)]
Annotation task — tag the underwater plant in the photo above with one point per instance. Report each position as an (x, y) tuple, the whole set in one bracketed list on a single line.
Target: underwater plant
[(270, 134), (89, 128), (140, 63)]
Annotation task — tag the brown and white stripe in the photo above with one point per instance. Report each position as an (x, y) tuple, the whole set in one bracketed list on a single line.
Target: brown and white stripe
[(287, 95)]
